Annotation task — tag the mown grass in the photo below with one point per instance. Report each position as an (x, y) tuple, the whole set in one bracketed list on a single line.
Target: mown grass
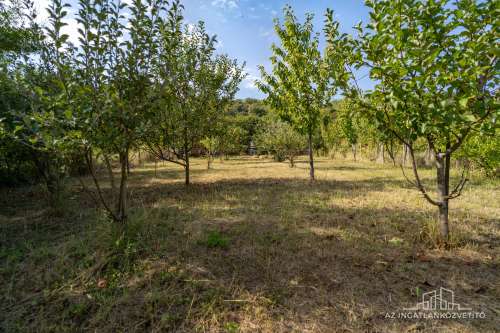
[(251, 246)]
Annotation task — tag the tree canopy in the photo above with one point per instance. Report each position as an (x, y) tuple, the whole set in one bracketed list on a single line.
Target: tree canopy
[(436, 68)]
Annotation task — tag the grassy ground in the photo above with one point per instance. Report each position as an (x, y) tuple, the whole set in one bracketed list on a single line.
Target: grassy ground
[(251, 246)]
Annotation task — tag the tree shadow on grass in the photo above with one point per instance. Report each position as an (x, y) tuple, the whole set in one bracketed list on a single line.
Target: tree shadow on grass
[(288, 247), (268, 190), (337, 275), (290, 256)]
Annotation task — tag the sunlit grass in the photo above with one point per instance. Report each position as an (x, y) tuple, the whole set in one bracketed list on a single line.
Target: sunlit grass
[(250, 246)]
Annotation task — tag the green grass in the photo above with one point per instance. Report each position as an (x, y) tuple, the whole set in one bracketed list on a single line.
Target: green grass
[(250, 246), (215, 239)]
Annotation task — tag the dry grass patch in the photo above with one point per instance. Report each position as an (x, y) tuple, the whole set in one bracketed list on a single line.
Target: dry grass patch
[(251, 246)]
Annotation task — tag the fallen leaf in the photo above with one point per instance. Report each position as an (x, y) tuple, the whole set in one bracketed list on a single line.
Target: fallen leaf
[(102, 283)]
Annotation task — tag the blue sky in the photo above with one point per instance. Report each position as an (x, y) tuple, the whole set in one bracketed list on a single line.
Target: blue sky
[(245, 27)]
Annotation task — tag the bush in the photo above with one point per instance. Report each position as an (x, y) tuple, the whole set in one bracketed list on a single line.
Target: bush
[(483, 152), (280, 140)]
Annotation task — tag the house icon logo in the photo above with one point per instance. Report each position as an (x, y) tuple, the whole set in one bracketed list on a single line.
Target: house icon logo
[(441, 299), (437, 304)]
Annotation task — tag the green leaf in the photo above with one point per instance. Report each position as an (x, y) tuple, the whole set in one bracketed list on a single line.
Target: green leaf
[(18, 128), (464, 101), (68, 114)]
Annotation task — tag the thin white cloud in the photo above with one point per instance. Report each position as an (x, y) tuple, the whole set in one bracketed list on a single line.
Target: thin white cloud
[(249, 81), (226, 4), (264, 7), (265, 33)]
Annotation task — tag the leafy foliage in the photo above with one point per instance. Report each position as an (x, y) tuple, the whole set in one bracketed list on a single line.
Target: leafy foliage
[(483, 151), (436, 68), (302, 79), (195, 86), (280, 139)]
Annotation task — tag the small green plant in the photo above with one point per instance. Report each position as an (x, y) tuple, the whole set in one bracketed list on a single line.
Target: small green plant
[(77, 310), (396, 241), (232, 327), (215, 239)]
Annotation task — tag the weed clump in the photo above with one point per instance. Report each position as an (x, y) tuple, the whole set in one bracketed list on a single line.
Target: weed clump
[(430, 237), (216, 239)]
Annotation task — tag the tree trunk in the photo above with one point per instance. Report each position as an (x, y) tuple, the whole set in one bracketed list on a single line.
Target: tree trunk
[(353, 148), (52, 178), (186, 156), (292, 162), (405, 155), (390, 151), (311, 157), (128, 165), (443, 178), (209, 162), (381, 153), (428, 157), (121, 209), (111, 178), (54, 189), (186, 170)]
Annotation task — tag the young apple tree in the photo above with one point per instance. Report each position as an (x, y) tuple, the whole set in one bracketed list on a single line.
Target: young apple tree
[(435, 64), (108, 83), (302, 80), (210, 143), (279, 139), (195, 85), (33, 114)]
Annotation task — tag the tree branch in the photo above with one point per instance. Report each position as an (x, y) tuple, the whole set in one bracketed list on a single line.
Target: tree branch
[(158, 153), (457, 191), (90, 166), (466, 132), (418, 182)]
